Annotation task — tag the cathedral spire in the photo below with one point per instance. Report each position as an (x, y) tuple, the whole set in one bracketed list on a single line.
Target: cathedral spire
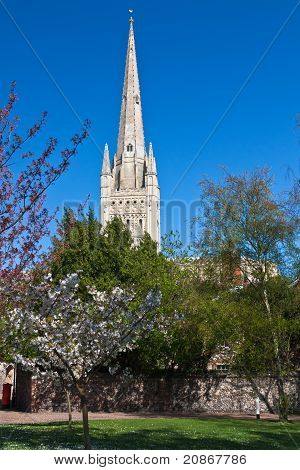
[(131, 133), (129, 187)]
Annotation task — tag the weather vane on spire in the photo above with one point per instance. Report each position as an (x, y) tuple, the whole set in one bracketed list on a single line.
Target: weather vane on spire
[(131, 18)]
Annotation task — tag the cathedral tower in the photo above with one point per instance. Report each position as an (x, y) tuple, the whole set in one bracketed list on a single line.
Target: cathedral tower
[(129, 187)]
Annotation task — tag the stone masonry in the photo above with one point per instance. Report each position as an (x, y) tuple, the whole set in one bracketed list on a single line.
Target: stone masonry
[(215, 393)]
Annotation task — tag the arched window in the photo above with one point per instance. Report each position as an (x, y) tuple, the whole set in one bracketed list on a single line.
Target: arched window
[(129, 148)]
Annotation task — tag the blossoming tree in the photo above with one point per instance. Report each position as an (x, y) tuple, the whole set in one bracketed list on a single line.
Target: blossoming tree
[(25, 177), (75, 333)]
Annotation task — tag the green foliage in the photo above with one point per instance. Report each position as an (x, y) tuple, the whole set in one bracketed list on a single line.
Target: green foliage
[(176, 351), (100, 256), (243, 218), (107, 258), (173, 247), (255, 350)]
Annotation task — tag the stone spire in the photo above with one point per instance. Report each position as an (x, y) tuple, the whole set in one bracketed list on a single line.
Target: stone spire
[(152, 163), (131, 146), (129, 187), (106, 170)]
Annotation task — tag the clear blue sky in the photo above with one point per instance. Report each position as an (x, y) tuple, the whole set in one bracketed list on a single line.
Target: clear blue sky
[(193, 57)]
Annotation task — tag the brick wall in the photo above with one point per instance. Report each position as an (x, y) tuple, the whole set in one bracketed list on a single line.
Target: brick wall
[(215, 393)]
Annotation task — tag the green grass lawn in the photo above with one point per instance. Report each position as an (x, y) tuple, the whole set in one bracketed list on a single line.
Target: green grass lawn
[(155, 434)]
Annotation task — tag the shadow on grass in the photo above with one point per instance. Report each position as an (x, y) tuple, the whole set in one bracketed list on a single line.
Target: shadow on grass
[(154, 434)]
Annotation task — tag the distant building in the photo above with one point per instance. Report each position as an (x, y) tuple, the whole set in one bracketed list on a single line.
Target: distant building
[(129, 186), (242, 272)]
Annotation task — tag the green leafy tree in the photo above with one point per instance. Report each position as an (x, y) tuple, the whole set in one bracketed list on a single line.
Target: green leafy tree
[(106, 258), (247, 236)]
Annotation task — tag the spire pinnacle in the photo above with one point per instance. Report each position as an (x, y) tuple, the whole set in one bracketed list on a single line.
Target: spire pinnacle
[(106, 170), (152, 162), (150, 150), (131, 143)]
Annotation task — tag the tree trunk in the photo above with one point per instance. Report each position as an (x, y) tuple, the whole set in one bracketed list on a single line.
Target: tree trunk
[(85, 422), (283, 403), (67, 392), (282, 397), (261, 395)]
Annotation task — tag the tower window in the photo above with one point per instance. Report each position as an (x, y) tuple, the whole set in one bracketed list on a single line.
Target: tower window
[(128, 223), (129, 148), (141, 223)]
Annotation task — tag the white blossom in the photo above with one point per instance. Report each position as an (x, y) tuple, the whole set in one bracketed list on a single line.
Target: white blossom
[(72, 336)]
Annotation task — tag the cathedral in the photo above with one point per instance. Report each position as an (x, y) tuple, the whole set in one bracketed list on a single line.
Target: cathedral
[(129, 185)]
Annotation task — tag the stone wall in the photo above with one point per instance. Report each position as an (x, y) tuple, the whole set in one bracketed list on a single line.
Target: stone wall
[(2, 377), (215, 393)]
